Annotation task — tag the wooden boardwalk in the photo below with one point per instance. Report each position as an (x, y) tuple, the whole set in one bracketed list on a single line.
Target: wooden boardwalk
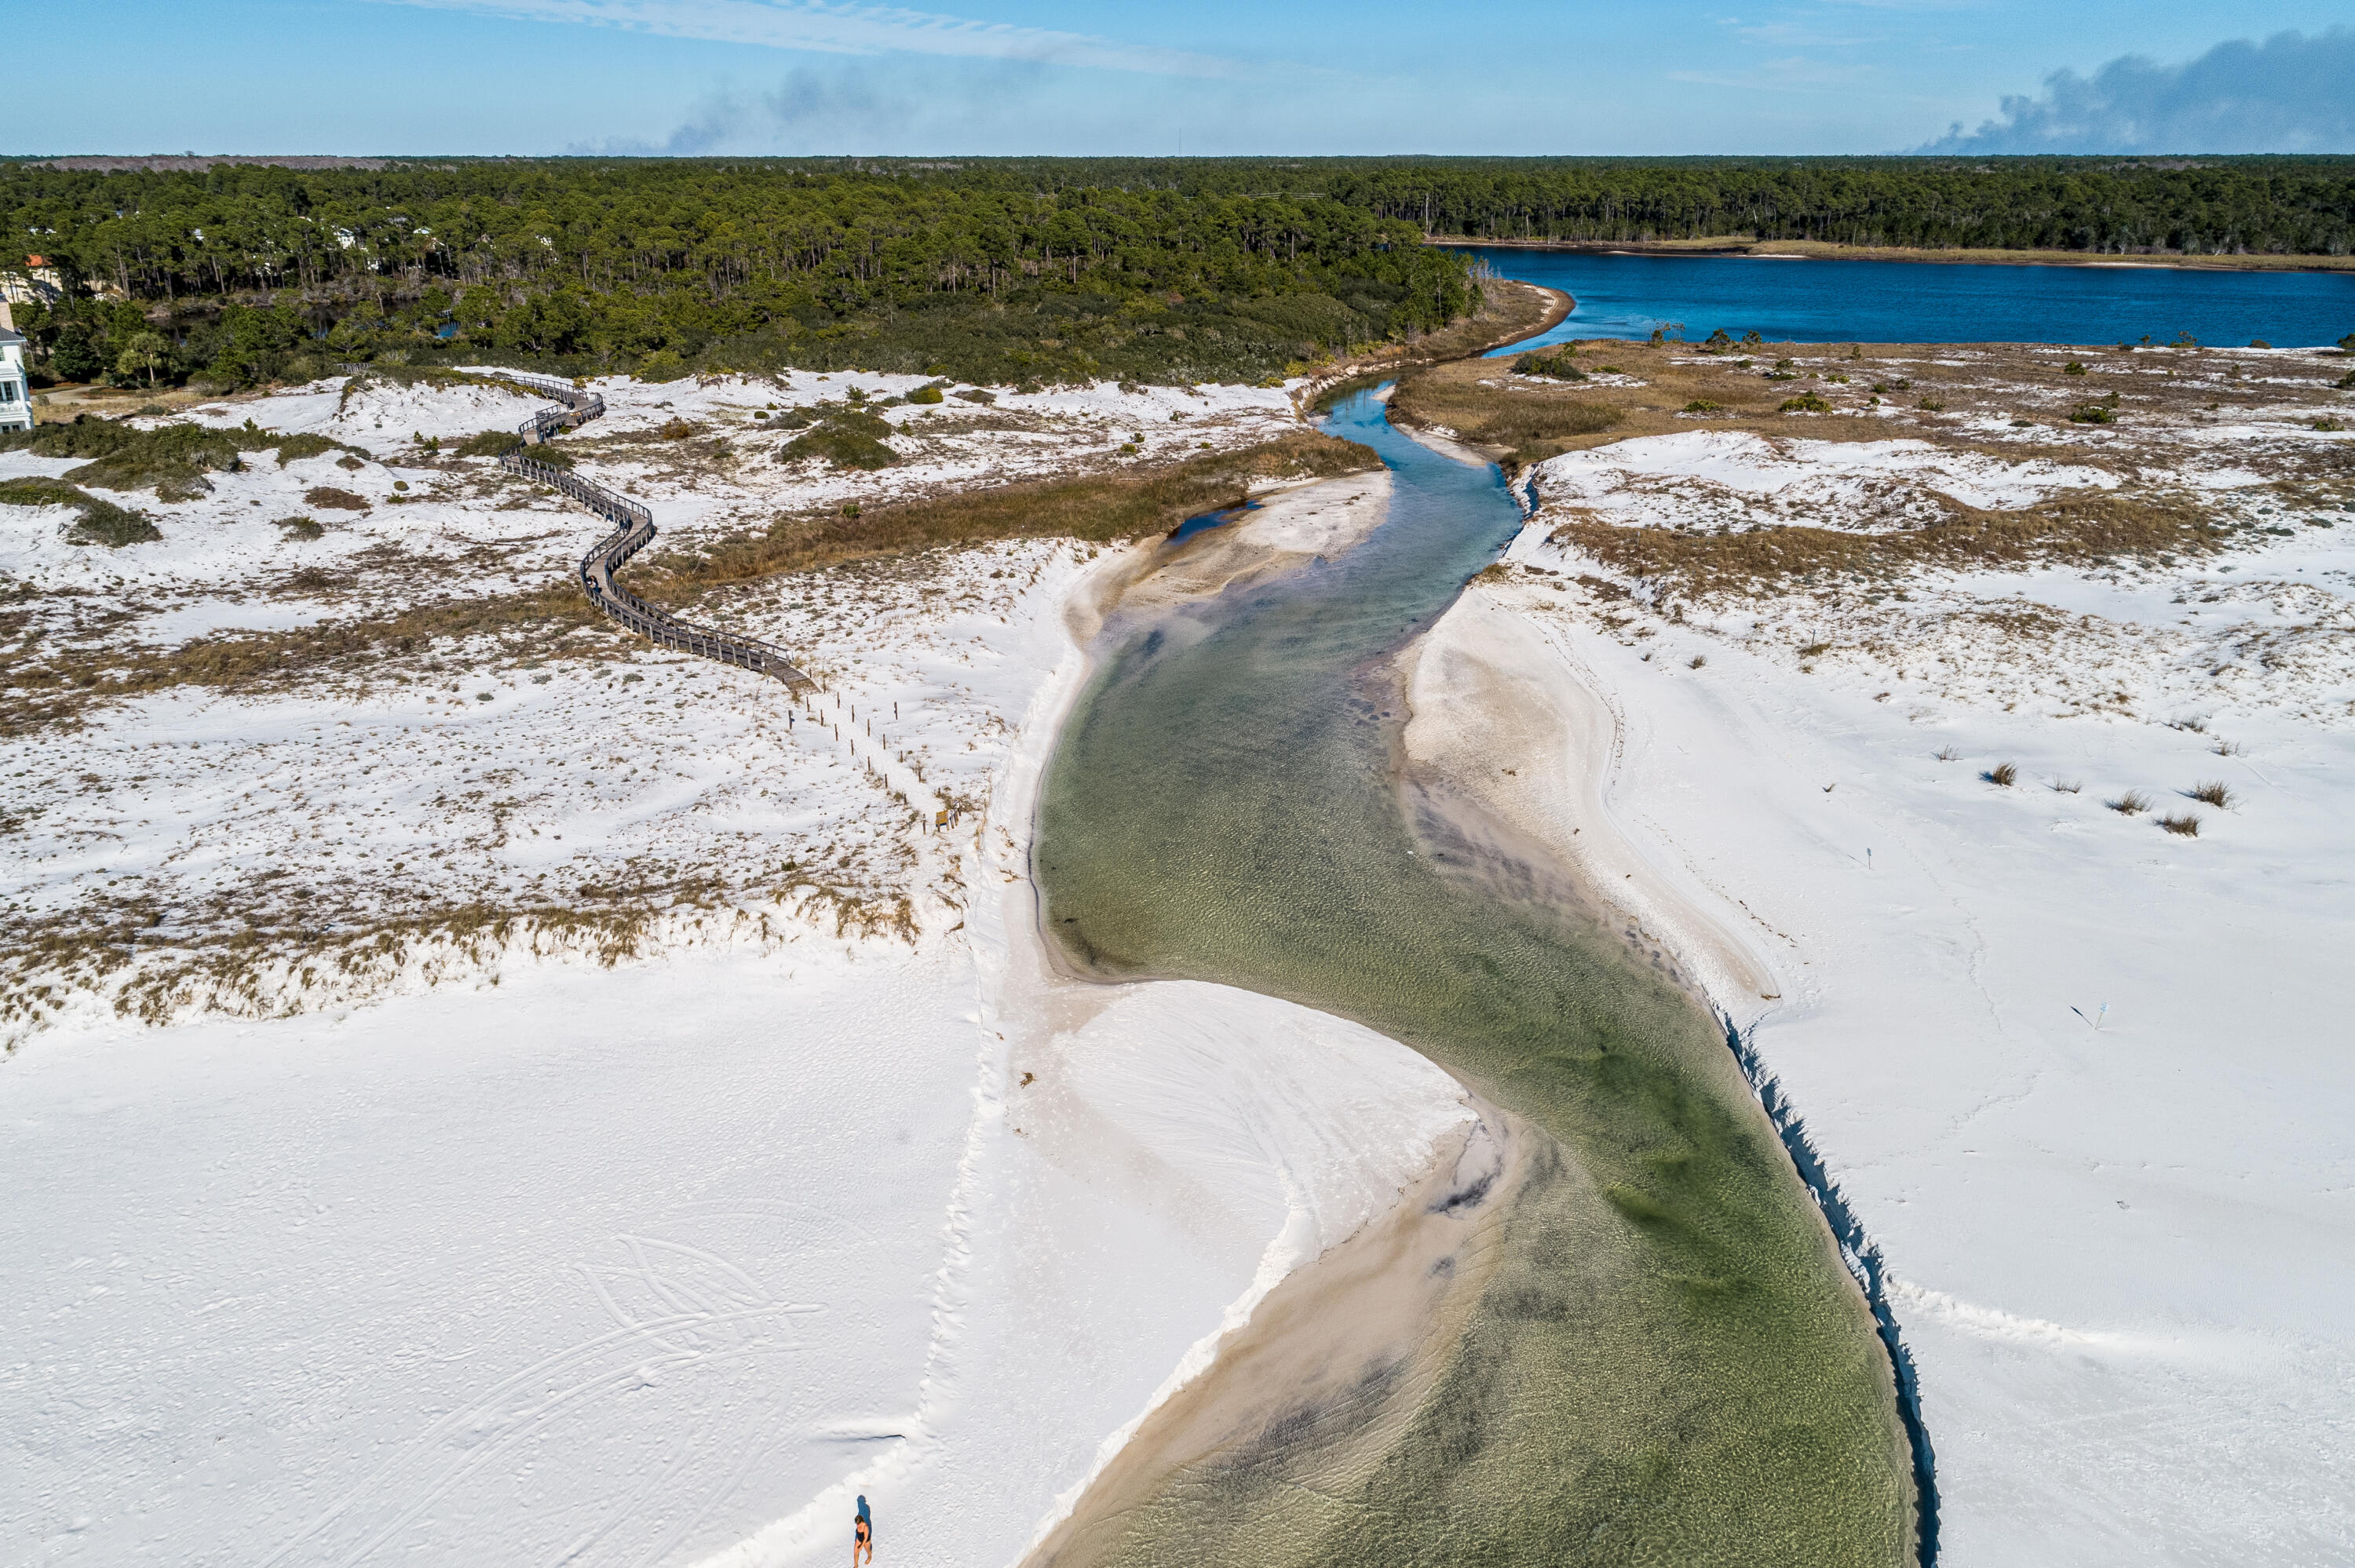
[(633, 530)]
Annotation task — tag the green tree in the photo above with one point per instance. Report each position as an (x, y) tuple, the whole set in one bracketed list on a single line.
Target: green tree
[(73, 357), (146, 354)]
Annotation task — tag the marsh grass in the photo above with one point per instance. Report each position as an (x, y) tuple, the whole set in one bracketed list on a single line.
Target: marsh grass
[(2003, 774), (2182, 823), (2132, 803), (1528, 424), (2210, 792)]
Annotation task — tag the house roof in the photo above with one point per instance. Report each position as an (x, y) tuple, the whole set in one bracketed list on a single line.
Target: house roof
[(8, 337)]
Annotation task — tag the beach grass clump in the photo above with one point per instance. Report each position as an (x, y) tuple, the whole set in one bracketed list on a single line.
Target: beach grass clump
[(2211, 792), (2132, 803), (2002, 774), (2183, 824), (2068, 785)]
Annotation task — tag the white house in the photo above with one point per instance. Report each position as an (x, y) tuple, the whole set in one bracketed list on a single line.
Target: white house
[(15, 396)]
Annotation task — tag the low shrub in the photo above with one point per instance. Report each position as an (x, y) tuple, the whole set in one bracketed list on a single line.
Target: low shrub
[(926, 395), (304, 528), (99, 521), (2093, 414), (2072, 368), (329, 499), (1703, 406), (1554, 367), (846, 438), (1931, 406), (2182, 823), (306, 444), (978, 395), (174, 458), (1804, 403), (488, 444)]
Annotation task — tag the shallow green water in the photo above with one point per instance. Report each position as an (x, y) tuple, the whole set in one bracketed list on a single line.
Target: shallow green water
[(1670, 1366)]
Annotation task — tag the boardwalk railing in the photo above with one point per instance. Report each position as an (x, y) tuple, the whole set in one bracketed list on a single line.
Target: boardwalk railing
[(633, 530)]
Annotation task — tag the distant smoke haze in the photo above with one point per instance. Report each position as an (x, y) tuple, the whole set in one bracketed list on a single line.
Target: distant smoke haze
[(2292, 93)]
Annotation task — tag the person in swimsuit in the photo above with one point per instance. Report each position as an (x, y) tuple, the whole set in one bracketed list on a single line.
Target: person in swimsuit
[(862, 1534)]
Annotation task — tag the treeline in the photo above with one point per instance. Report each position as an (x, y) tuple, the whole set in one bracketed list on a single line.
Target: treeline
[(1000, 271), (2222, 205), (243, 273)]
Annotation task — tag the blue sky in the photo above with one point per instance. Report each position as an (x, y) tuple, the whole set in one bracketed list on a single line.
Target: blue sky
[(1204, 77)]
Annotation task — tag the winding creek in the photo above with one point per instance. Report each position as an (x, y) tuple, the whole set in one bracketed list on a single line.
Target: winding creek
[(1660, 1358)]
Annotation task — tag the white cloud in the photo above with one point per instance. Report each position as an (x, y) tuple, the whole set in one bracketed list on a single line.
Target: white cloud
[(2288, 94), (853, 29)]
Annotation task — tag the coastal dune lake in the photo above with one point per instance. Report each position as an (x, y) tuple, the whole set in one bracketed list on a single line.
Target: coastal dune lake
[(1813, 300), (1657, 1356)]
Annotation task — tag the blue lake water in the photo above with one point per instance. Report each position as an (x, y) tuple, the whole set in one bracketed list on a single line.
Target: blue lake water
[(1915, 301)]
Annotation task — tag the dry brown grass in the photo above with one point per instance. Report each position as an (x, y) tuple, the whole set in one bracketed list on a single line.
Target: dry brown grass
[(1098, 507), (60, 687), (1526, 423), (2082, 527)]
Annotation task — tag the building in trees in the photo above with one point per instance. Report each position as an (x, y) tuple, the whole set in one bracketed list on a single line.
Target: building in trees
[(16, 396), (37, 283)]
